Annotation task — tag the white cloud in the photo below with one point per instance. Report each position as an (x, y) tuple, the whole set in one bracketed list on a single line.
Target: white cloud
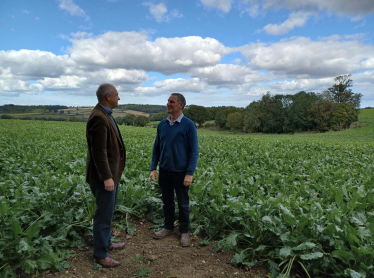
[(63, 82), (297, 19), (159, 12), (297, 85), (32, 64), (223, 5), (303, 58), (74, 10), (226, 75), (364, 78), (178, 85), (300, 11), (71, 7), (133, 50), (124, 59), (173, 14), (345, 7), (128, 79), (13, 87)]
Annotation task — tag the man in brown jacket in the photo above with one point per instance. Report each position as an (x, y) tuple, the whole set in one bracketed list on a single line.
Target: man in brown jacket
[(106, 157)]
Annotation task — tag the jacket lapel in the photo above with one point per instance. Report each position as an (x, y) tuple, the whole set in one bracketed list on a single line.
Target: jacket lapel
[(112, 123)]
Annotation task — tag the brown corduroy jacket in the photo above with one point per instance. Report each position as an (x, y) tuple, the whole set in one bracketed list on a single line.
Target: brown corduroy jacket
[(106, 155)]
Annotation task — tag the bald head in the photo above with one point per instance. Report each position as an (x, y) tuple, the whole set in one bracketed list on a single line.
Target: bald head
[(107, 95), (103, 90)]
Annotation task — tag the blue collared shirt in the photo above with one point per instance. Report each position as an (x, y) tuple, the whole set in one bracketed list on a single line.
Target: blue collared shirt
[(176, 120), (110, 112)]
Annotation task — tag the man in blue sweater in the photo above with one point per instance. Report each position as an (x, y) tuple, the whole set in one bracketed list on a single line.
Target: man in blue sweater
[(176, 151)]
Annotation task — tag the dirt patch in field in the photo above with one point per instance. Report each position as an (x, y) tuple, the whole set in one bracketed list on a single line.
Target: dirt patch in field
[(163, 258), (136, 113)]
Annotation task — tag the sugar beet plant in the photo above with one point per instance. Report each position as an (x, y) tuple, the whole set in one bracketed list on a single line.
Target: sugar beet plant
[(46, 208), (301, 202)]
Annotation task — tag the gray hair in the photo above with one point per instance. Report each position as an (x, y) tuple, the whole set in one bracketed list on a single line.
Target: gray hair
[(181, 98), (103, 90)]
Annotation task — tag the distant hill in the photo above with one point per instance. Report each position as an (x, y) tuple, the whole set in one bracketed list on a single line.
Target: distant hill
[(11, 108), (146, 108)]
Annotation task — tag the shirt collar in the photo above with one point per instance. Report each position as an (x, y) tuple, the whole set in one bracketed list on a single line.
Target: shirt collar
[(107, 109), (179, 119)]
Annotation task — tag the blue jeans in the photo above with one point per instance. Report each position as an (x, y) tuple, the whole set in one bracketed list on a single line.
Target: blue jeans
[(170, 181), (105, 207)]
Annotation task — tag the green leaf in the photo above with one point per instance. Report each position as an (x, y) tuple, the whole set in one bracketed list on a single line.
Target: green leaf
[(23, 246), (273, 268), (142, 272), (16, 227), (8, 272), (96, 266), (250, 264), (204, 242), (305, 246), (343, 255), (260, 248), (32, 231), (228, 243), (285, 252), (4, 208), (311, 256), (29, 265), (288, 218), (234, 191), (130, 229), (267, 218), (354, 274), (238, 258)]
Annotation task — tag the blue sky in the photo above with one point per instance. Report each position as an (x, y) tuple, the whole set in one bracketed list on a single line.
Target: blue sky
[(215, 52)]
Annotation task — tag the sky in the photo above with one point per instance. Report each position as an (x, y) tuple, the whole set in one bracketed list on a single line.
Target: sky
[(214, 52)]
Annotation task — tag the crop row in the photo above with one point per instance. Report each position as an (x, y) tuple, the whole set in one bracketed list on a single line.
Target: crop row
[(281, 200)]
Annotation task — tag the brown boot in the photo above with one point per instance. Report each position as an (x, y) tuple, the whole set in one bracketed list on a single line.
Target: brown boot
[(163, 233), (185, 240), (117, 246), (108, 262)]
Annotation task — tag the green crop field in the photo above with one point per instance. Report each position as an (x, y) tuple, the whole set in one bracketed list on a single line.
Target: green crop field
[(302, 201)]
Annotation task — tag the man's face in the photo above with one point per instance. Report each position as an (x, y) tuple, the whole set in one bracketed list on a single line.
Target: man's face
[(113, 99), (173, 106)]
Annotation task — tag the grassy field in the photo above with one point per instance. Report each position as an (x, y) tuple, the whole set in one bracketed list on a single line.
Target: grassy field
[(299, 202)]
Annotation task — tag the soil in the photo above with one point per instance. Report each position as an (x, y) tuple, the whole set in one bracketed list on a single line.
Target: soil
[(163, 258)]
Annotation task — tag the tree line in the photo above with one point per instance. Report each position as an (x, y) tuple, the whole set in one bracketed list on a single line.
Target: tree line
[(334, 109), (146, 108), (133, 120), (12, 108)]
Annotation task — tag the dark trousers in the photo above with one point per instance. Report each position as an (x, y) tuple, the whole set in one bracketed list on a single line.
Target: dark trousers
[(170, 181), (105, 207)]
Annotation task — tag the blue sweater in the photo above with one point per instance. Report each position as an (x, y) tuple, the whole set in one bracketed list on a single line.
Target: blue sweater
[(176, 147)]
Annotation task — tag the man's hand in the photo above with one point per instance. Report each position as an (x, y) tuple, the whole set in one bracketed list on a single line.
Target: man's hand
[(188, 180), (109, 184), (154, 175)]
